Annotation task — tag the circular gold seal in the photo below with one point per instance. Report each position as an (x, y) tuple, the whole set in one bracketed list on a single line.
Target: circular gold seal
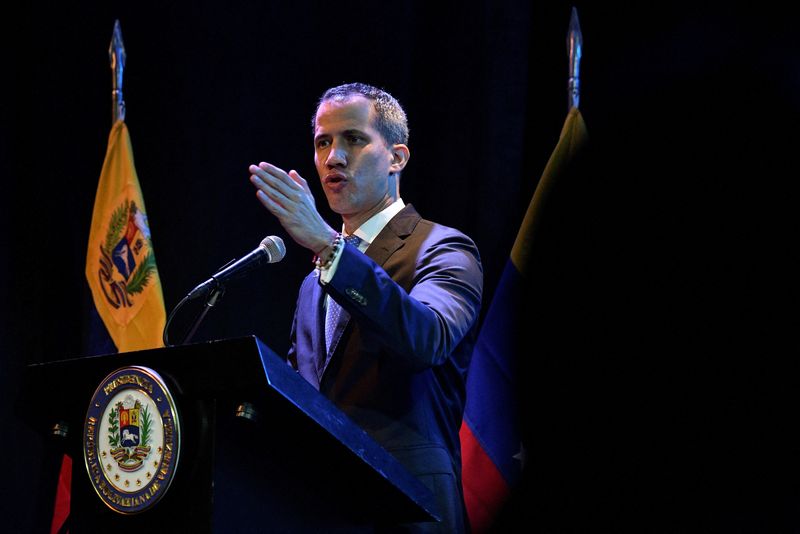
[(131, 439)]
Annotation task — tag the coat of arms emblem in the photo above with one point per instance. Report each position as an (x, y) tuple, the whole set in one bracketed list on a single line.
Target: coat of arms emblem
[(131, 439), (126, 261), (130, 426)]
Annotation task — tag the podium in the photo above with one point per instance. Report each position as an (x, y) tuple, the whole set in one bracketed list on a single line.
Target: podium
[(260, 449)]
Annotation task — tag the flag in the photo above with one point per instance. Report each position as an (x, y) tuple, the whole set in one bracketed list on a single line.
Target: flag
[(63, 497), (120, 261), (491, 436), (128, 306)]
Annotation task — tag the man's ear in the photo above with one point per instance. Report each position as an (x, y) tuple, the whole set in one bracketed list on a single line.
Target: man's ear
[(400, 155)]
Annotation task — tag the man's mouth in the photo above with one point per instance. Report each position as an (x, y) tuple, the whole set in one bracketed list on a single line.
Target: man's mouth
[(335, 178)]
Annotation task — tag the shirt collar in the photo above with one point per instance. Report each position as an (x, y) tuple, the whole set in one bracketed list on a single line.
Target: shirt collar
[(373, 226)]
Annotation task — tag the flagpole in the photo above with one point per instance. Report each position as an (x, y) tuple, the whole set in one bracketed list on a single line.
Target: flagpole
[(574, 50), (116, 55), (63, 497)]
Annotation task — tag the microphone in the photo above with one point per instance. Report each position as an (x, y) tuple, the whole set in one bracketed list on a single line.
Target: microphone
[(271, 250)]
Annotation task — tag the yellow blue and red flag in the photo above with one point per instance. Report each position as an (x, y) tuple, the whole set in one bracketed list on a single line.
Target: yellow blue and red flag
[(491, 440), (120, 261), (127, 303)]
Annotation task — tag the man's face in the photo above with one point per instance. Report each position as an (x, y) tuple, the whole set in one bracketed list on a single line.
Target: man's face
[(352, 158)]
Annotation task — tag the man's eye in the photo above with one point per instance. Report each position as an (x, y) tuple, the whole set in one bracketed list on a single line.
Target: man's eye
[(355, 139), (323, 143)]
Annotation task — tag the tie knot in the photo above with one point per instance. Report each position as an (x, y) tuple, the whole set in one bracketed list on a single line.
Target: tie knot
[(353, 240)]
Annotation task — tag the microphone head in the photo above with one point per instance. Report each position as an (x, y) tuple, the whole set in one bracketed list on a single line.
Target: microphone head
[(275, 248)]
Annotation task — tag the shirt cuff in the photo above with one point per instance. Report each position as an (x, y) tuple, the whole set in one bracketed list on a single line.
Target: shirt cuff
[(326, 273)]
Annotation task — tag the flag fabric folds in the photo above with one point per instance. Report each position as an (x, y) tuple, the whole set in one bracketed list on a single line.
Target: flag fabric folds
[(492, 443), (120, 262)]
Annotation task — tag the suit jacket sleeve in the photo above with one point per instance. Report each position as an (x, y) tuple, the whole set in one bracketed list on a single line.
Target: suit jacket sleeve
[(422, 299)]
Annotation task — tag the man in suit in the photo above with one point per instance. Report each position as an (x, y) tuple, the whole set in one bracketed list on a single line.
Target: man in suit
[(402, 305)]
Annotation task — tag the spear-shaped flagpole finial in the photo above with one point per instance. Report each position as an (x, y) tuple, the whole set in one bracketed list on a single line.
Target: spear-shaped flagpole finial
[(116, 55), (574, 49)]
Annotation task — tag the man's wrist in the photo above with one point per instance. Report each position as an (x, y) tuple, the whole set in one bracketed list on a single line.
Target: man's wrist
[(324, 257)]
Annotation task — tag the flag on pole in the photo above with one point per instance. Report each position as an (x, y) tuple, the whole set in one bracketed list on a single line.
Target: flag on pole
[(120, 261), (491, 440), (128, 306)]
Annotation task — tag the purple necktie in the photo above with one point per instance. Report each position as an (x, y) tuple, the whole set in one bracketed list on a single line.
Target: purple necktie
[(334, 310)]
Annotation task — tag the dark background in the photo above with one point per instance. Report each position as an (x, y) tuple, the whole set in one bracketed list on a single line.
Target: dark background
[(678, 413)]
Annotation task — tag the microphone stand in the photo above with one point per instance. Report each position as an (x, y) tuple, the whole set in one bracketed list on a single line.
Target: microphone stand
[(211, 299), (213, 296)]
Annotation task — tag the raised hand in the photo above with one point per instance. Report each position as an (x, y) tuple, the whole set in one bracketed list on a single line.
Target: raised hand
[(288, 197)]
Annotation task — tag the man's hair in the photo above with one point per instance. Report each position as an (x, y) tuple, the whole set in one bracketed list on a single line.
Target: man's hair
[(390, 119)]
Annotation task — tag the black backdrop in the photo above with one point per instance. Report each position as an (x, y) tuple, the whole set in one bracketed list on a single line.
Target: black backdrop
[(679, 416)]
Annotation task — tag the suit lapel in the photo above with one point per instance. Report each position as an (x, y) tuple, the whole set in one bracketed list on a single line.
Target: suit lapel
[(386, 243), (393, 235)]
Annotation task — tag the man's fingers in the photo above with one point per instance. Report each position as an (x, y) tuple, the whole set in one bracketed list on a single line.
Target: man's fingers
[(274, 207), (280, 175), (290, 187), (272, 187), (299, 180)]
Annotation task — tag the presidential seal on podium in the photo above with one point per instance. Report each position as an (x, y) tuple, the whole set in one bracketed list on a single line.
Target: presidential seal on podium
[(131, 439)]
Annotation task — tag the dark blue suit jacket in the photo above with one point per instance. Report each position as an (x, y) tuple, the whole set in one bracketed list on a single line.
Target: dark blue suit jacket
[(399, 357)]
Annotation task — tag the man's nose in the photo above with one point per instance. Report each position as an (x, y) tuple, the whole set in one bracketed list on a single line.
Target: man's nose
[(337, 157)]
